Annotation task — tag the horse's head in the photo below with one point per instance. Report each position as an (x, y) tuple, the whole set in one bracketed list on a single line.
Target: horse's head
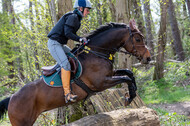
[(134, 44)]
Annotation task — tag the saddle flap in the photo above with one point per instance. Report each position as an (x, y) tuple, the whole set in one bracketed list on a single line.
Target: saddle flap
[(74, 65), (49, 70)]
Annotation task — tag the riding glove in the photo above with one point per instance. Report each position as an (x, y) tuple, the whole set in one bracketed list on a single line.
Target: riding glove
[(83, 40)]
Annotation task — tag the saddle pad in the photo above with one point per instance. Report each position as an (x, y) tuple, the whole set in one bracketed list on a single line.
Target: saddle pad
[(55, 80)]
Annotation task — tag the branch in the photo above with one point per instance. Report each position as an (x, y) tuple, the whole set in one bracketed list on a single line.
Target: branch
[(153, 63)]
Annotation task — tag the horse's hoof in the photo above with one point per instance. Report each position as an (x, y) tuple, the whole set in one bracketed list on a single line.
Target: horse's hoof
[(127, 99)]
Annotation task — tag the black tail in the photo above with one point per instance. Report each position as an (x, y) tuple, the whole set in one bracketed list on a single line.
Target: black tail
[(4, 107)]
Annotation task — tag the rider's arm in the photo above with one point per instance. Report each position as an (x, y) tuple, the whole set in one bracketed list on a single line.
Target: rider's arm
[(69, 33), (71, 23)]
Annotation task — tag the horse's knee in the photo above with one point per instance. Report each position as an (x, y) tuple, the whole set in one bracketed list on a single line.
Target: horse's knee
[(129, 73)]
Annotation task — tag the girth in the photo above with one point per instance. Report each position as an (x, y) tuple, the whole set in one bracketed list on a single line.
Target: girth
[(81, 84)]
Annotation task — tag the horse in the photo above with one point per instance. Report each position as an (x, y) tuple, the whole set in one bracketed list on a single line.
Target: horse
[(98, 74)]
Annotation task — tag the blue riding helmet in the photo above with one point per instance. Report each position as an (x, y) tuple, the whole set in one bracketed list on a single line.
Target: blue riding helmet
[(82, 3)]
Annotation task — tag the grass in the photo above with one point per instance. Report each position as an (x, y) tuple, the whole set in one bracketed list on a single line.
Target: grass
[(171, 119), (166, 94), (167, 90), (174, 87)]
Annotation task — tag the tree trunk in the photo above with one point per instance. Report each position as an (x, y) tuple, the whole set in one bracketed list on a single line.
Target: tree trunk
[(65, 6), (8, 10), (184, 10), (183, 23), (113, 10), (139, 16), (123, 16), (188, 6), (159, 66), (175, 32), (98, 8), (36, 55), (148, 23), (105, 11), (52, 10)]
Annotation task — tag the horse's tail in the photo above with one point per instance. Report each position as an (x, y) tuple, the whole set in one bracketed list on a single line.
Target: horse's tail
[(4, 107)]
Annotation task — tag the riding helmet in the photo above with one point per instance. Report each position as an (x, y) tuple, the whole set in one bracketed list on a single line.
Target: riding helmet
[(82, 3)]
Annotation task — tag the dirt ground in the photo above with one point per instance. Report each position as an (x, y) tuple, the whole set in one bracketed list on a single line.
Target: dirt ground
[(181, 108)]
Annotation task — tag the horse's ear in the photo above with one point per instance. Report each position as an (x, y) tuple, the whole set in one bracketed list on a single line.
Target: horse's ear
[(132, 24)]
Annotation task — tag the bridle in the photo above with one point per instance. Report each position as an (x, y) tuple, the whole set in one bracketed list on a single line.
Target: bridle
[(133, 52)]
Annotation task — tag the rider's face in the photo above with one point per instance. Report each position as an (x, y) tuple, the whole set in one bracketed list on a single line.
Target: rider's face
[(86, 12)]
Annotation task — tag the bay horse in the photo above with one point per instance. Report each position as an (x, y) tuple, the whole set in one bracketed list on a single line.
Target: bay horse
[(98, 74)]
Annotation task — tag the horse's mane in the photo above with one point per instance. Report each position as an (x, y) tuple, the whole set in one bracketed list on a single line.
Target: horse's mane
[(106, 27)]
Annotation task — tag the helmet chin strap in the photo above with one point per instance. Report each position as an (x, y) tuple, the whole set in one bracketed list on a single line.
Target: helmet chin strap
[(82, 10)]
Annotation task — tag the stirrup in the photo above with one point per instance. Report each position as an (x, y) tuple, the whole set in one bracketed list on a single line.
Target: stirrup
[(71, 99)]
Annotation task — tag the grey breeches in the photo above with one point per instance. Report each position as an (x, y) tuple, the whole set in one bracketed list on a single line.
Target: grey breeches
[(58, 51)]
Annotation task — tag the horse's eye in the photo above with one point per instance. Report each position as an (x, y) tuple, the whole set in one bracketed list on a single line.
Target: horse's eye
[(137, 39)]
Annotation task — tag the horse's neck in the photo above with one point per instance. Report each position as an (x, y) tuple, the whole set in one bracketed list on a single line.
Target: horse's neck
[(109, 41)]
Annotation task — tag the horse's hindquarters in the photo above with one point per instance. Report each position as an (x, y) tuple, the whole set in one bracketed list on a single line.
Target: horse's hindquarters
[(22, 109)]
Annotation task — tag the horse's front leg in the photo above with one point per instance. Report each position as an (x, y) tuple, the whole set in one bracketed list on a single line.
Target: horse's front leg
[(114, 80), (122, 72)]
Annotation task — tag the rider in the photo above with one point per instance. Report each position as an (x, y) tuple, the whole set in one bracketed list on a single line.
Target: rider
[(64, 30)]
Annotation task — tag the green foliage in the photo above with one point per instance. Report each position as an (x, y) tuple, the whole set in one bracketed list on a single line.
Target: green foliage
[(169, 89), (171, 119), (46, 119), (7, 54)]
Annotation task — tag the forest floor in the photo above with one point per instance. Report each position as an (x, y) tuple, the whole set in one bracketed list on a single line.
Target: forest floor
[(181, 108)]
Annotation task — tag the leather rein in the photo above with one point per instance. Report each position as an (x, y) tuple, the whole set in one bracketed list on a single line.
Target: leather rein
[(110, 56)]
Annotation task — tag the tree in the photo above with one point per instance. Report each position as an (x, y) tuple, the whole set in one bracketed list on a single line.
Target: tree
[(159, 66), (52, 9), (63, 7), (139, 16), (188, 6), (175, 32), (8, 11), (113, 10), (123, 9), (148, 24)]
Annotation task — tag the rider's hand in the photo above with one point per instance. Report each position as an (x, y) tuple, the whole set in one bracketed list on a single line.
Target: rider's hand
[(84, 41)]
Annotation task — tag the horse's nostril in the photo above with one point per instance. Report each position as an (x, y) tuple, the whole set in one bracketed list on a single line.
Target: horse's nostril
[(148, 59)]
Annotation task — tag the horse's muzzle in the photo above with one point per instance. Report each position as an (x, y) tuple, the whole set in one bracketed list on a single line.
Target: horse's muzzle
[(145, 60)]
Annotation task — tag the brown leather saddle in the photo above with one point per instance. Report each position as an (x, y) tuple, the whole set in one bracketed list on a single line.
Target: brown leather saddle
[(49, 70)]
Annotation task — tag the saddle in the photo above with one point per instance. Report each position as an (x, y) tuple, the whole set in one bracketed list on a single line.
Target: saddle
[(49, 70)]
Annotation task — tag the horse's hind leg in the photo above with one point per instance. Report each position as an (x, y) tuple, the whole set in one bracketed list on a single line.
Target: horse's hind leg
[(22, 109), (20, 115), (19, 122)]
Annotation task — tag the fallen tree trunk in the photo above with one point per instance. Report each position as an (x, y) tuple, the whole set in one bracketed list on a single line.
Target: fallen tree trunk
[(122, 117)]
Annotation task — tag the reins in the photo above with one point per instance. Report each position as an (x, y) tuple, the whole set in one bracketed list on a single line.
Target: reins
[(110, 56)]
